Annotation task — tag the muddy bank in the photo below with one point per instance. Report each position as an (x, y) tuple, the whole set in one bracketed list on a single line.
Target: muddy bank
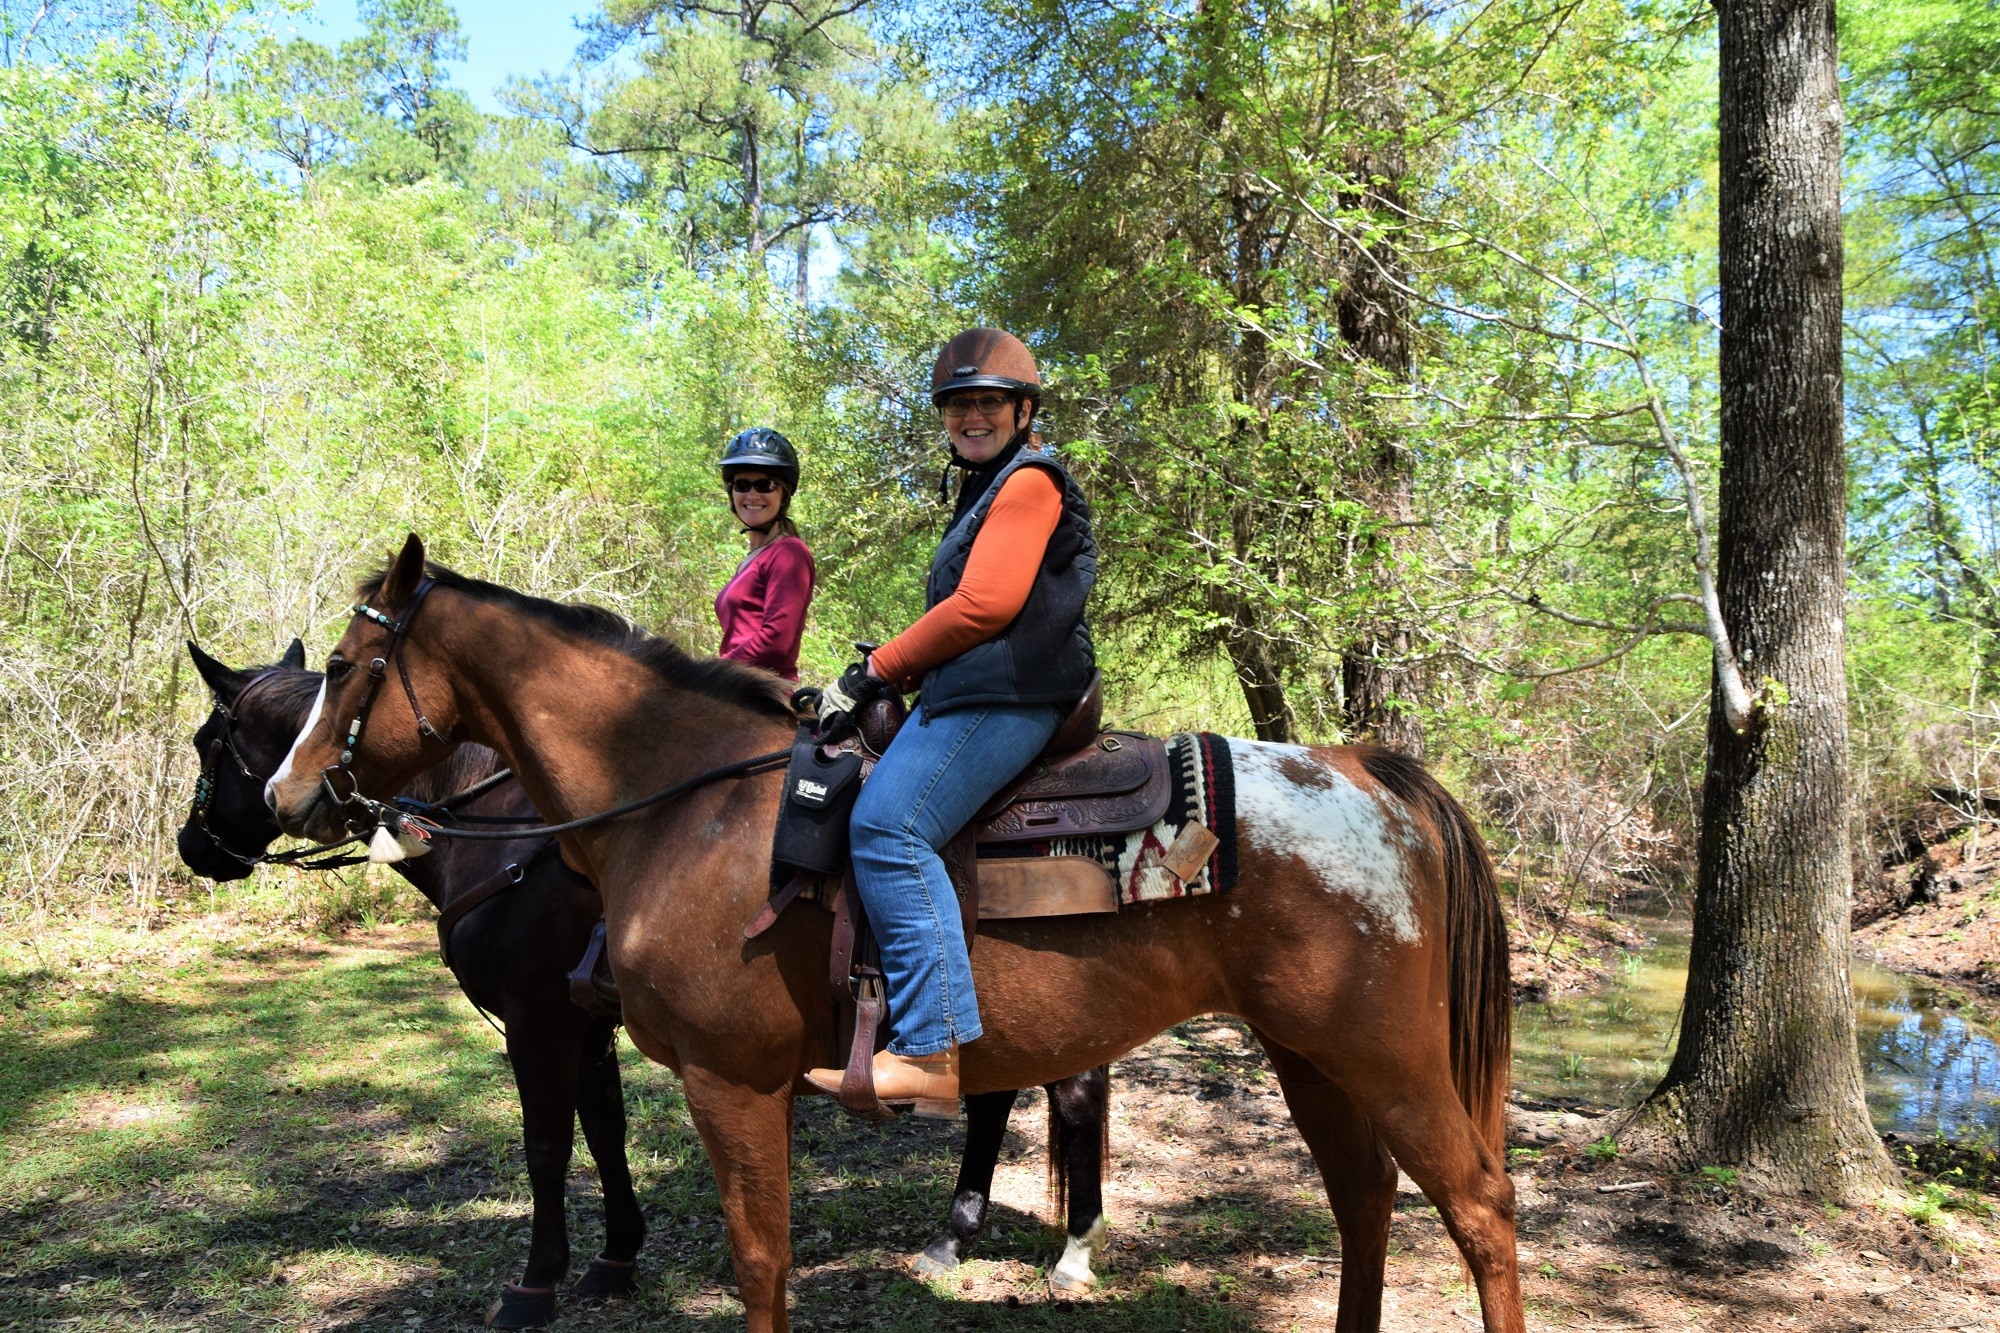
[(1937, 915), (1558, 953), (1214, 1197)]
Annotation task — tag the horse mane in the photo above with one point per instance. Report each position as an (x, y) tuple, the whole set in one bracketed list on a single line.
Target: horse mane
[(285, 695), (458, 770), (729, 682)]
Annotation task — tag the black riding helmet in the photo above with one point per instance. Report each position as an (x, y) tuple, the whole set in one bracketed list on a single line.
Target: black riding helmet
[(766, 450)]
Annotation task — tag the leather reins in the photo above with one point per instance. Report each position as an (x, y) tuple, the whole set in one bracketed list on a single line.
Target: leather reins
[(387, 815)]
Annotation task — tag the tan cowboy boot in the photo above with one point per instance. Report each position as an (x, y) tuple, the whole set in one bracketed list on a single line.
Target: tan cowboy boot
[(927, 1083)]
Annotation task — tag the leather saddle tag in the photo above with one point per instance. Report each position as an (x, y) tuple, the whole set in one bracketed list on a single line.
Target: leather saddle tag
[(1190, 852)]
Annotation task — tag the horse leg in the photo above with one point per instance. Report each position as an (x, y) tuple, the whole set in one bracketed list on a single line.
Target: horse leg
[(545, 1057), (1360, 1181), (601, 1108), (986, 1116), (1417, 1113), (1079, 1120), (748, 1135)]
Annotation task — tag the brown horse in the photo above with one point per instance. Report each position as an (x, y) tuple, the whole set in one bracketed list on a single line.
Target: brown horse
[(1364, 943)]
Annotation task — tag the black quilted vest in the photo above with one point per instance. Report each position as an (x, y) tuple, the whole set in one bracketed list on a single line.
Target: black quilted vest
[(1045, 655)]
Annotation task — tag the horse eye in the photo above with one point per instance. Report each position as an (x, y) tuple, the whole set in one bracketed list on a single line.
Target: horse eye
[(337, 668)]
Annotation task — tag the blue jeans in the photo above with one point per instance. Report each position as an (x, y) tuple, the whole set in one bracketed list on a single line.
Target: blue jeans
[(937, 773)]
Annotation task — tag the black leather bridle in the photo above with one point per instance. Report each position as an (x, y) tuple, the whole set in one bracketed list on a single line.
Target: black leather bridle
[(204, 786), (378, 671), (204, 791)]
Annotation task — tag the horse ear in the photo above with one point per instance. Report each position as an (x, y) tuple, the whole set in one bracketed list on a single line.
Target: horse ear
[(406, 572), (222, 682), (295, 656)]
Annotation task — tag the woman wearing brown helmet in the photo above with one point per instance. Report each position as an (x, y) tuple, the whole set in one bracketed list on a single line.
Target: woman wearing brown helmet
[(1001, 655)]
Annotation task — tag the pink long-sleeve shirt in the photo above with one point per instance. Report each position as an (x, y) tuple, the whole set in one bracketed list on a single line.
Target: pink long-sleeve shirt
[(763, 609)]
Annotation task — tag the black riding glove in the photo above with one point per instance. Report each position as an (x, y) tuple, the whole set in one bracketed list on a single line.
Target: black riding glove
[(840, 701)]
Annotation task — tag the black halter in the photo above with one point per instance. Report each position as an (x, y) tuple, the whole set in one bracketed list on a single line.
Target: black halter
[(378, 670)]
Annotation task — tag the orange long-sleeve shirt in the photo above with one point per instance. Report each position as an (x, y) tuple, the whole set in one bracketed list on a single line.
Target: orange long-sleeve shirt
[(999, 574)]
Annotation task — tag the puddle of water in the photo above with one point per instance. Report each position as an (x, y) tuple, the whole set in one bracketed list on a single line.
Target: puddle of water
[(1927, 1069)]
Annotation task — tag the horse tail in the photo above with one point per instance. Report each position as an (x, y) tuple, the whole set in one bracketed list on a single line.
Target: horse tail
[(1482, 997)]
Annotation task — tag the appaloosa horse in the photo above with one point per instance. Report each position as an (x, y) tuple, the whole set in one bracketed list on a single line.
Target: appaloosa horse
[(512, 950), (1364, 943)]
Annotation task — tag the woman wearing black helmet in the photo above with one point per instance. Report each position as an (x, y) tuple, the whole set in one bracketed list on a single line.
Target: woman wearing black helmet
[(763, 607), (1002, 654)]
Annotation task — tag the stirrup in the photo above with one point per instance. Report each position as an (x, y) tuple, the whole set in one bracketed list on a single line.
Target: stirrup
[(857, 1082)]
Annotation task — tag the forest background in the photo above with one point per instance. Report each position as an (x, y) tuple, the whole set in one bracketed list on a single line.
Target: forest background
[(1382, 334)]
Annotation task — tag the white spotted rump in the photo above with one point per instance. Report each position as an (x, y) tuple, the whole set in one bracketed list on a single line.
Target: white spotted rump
[(1356, 843), (285, 769)]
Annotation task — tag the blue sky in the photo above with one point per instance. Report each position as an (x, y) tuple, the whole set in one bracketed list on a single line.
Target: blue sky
[(502, 37)]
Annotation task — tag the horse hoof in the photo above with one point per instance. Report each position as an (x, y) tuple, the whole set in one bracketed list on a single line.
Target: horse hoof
[(1072, 1284), (607, 1277), (522, 1307), (934, 1262)]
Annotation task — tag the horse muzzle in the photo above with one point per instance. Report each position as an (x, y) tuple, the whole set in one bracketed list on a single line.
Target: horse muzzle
[(303, 810)]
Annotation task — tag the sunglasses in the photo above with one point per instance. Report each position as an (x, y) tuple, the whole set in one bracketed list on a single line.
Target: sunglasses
[(988, 405), (761, 485)]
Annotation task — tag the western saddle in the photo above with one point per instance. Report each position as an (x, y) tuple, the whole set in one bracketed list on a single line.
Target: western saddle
[(1085, 782)]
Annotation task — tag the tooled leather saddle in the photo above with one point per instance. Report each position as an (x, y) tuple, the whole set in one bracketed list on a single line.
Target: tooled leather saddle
[(1085, 782)]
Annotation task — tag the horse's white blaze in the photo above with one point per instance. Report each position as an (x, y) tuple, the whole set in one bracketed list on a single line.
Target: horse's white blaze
[(1072, 1271), (285, 769), (1357, 843)]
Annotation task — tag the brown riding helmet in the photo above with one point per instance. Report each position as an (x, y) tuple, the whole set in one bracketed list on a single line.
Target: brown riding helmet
[(986, 359)]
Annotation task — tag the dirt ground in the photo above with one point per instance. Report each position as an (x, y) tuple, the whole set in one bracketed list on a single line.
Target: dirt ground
[(1605, 1242), (246, 1132)]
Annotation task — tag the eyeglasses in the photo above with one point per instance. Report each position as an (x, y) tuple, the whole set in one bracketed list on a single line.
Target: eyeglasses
[(988, 404), (761, 485)]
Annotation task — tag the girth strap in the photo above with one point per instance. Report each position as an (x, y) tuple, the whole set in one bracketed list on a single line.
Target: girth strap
[(774, 906)]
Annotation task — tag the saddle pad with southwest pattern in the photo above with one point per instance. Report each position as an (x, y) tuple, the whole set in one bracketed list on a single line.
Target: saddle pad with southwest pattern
[(1204, 794)]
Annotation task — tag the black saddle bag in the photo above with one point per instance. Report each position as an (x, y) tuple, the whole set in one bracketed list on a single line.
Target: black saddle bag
[(812, 819)]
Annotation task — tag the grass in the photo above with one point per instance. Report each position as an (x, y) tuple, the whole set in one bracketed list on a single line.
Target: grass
[(232, 1132)]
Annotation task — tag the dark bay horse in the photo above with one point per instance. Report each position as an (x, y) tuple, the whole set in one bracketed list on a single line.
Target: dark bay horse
[(1364, 943), (511, 957)]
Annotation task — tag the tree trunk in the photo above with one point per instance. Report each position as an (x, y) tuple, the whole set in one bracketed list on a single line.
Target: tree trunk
[(1766, 1077), (1374, 321), (1259, 673)]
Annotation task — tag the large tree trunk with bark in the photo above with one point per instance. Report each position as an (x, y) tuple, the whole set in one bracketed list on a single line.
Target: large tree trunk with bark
[(1766, 1077), (1374, 319)]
